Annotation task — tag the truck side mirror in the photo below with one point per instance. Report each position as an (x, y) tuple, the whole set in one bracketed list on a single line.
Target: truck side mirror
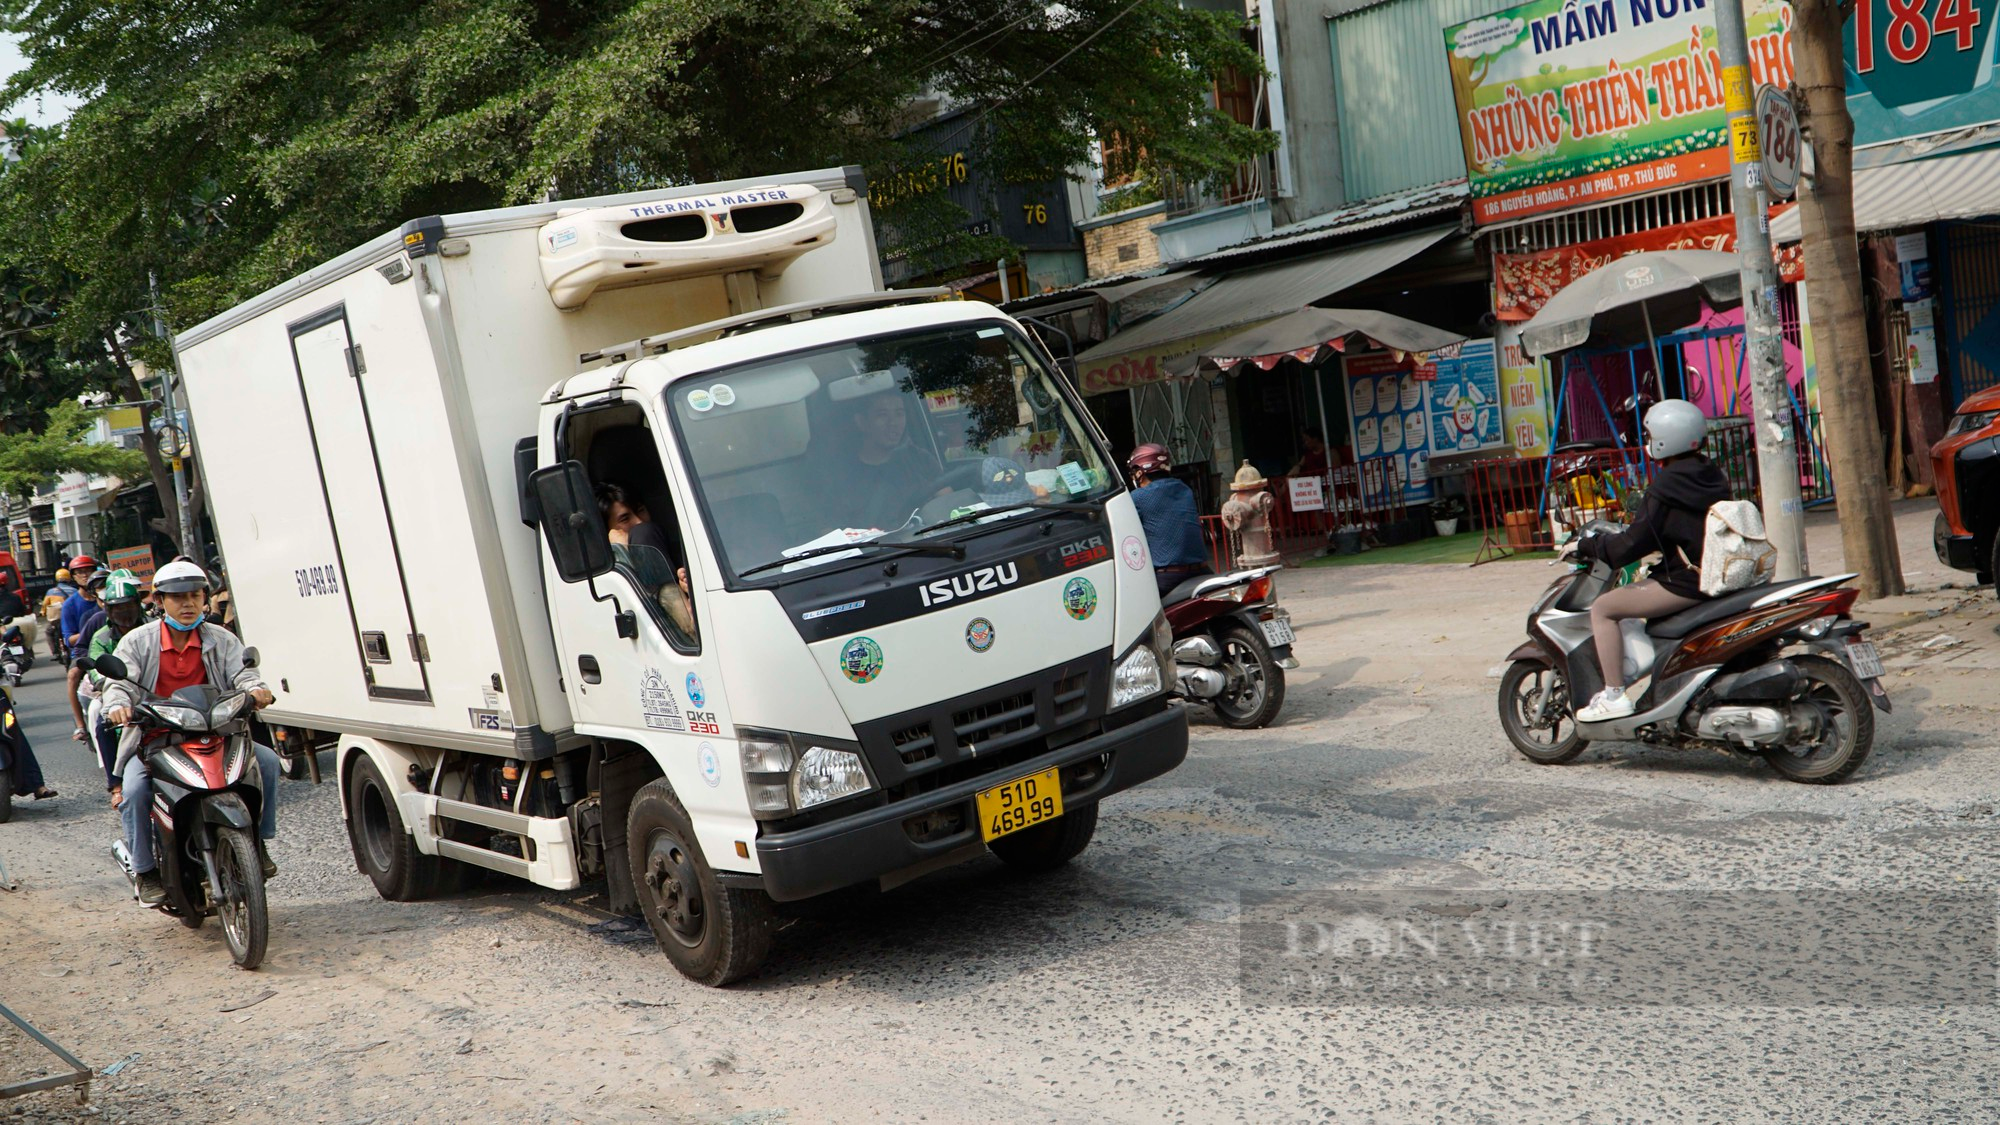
[(571, 522)]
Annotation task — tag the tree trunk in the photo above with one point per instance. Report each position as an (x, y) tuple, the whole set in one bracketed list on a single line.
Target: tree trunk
[(163, 476), (1833, 293)]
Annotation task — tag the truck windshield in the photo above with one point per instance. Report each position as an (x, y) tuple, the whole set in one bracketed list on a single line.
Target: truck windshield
[(871, 443)]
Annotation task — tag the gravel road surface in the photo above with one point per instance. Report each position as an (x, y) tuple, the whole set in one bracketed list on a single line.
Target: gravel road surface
[(1107, 992)]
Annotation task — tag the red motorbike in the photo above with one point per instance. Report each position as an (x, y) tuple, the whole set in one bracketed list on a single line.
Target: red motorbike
[(1232, 644)]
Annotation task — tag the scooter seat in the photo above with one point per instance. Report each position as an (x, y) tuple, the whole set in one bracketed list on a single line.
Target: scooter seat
[(1185, 590), (1676, 626)]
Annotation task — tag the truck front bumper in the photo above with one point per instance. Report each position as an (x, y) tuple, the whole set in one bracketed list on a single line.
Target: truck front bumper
[(877, 842)]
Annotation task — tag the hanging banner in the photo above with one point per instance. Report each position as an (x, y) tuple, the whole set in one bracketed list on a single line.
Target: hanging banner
[(1523, 283), (1567, 103), (1524, 394)]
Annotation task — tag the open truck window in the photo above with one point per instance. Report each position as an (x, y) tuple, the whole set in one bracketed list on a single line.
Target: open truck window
[(620, 453), (883, 441)]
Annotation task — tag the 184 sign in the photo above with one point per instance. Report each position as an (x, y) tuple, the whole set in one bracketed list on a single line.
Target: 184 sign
[(1780, 128), (1911, 31)]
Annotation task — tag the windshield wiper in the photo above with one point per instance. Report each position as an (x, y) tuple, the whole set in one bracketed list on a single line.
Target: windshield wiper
[(955, 550), (1044, 505)]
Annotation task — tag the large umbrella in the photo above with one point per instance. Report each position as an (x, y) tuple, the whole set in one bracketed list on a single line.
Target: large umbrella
[(1302, 334), (1618, 303)]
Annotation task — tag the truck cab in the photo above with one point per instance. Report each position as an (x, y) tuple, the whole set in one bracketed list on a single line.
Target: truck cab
[(847, 594), (1966, 465)]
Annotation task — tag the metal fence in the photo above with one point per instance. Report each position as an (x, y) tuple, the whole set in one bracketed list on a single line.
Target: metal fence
[(1368, 499), (1525, 502)]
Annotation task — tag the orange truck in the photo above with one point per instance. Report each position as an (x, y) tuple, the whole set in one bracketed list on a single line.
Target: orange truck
[(1967, 465)]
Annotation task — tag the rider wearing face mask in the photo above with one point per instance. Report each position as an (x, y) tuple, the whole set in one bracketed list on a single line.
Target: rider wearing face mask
[(179, 651)]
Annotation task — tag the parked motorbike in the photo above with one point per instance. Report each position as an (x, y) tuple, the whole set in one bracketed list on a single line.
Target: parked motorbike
[(207, 796), (1778, 670), (1232, 644)]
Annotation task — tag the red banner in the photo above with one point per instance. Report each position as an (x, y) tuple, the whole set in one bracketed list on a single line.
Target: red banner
[(1523, 283)]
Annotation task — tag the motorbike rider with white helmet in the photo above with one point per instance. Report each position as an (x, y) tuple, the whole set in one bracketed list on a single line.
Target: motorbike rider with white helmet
[(1672, 520), (181, 650)]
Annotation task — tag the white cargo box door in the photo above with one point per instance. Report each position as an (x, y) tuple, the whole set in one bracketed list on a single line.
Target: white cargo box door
[(331, 377)]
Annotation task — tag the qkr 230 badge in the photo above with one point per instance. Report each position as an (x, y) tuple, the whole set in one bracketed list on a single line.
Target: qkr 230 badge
[(1079, 598)]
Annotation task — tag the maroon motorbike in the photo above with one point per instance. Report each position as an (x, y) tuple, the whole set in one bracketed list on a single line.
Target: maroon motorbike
[(1232, 644)]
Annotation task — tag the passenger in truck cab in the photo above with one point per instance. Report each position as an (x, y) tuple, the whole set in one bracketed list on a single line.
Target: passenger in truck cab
[(182, 650), (648, 552)]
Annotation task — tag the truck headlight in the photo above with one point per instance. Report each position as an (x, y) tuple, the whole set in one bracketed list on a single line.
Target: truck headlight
[(767, 765), (787, 773), (1143, 672), (824, 775)]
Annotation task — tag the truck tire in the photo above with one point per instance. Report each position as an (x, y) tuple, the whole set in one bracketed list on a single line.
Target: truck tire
[(713, 934), (1050, 844), (384, 850)]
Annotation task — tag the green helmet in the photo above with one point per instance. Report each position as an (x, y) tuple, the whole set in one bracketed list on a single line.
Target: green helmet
[(120, 587)]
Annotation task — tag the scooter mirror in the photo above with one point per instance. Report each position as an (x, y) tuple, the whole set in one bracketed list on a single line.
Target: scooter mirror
[(108, 666), (250, 657)]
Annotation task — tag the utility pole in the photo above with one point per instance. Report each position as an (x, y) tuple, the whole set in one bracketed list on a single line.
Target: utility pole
[(1770, 398), (1833, 294)]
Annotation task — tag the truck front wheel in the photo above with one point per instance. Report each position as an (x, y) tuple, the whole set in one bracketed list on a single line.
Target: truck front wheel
[(384, 850), (1050, 844), (713, 934)]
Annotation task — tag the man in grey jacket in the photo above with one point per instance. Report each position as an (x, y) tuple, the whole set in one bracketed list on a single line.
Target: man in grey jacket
[(181, 650)]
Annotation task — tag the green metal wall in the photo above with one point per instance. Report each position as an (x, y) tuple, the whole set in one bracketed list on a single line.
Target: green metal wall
[(1398, 128)]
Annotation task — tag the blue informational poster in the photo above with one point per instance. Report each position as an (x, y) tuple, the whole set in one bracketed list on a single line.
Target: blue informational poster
[(1464, 401), (1390, 429)]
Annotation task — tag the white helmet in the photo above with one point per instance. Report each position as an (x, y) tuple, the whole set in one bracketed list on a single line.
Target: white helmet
[(181, 576), (1674, 427)]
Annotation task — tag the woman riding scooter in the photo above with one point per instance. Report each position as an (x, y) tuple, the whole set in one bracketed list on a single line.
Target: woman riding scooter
[(1672, 520)]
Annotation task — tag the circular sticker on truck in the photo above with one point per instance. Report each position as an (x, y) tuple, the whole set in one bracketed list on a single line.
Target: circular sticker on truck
[(979, 634), (861, 660), (695, 694), (723, 394), (1079, 598), (1133, 552), (711, 768)]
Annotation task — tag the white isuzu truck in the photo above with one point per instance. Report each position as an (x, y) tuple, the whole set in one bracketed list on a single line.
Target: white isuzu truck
[(646, 537)]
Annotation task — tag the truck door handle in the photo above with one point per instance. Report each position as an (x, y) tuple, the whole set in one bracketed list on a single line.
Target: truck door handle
[(588, 666)]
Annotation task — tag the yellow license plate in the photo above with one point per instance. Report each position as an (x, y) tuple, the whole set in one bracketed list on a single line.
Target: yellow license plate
[(1021, 803)]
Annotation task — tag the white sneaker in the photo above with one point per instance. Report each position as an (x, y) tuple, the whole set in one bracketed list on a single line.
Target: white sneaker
[(1611, 703)]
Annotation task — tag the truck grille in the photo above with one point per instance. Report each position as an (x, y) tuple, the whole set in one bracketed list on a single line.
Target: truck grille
[(988, 729)]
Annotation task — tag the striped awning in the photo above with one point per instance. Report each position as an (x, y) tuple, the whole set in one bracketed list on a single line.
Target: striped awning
[(1914, 193)]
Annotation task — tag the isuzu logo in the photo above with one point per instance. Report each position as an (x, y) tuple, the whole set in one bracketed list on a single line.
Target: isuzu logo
[(971, 582)]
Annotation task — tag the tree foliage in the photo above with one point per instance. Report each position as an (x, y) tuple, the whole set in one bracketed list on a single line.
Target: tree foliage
[(31, 457), (224, 146)]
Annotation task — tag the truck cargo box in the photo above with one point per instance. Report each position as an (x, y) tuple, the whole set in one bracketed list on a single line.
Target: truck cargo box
[(357, 430)]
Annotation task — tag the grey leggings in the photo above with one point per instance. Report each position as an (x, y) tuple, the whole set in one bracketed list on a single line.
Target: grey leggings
[(1642, 599)]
